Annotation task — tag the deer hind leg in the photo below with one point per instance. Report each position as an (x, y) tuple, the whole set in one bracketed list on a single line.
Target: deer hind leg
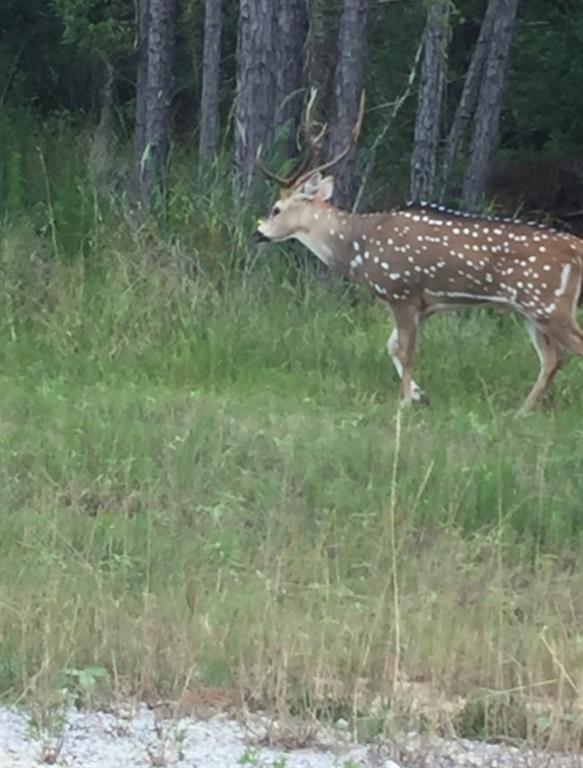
[(402, 351), (564, 328), (417, 394), (574, 338), (549, 352)]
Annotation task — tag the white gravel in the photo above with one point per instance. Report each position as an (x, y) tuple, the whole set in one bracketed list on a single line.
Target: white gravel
[(143, 740), (103, 740)]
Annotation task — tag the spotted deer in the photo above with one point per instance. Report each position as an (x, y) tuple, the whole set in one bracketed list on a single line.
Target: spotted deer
[(422, 259)]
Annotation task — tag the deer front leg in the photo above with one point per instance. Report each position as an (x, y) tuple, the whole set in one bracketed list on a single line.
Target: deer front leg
[(402, 350), (417, 394)]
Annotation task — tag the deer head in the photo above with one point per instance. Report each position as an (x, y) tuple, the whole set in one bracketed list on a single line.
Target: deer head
[(296, 212)]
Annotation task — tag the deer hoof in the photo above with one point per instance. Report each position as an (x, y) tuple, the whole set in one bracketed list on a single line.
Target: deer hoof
[(418, 397), (421, 397)]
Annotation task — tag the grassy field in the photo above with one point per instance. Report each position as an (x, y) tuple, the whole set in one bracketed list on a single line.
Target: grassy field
[(205, 485)]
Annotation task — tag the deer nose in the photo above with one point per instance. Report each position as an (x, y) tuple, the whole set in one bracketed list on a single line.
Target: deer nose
[(258, 237)]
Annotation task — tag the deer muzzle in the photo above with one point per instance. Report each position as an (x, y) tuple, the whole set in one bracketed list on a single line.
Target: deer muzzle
[(258, 237)]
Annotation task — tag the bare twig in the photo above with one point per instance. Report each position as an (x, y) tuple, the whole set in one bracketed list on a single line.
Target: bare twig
[(13, 68), (397, 104), (572, 214), (558, 662), (394, 568)]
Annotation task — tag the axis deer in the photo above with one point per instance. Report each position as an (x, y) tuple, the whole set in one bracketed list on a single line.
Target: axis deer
[(422, 259)]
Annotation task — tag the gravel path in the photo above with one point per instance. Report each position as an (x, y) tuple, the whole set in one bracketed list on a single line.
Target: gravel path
[(142, 740)]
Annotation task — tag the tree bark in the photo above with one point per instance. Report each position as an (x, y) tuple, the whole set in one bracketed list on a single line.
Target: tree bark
[(469, 97), (348, 84), (256, 88), (321, 48), (142, 14), (211, 73), (156, 92), (291, 28), (430, 100), (487, 118)]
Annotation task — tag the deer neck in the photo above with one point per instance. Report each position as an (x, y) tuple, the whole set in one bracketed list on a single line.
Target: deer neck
[(330, 234)]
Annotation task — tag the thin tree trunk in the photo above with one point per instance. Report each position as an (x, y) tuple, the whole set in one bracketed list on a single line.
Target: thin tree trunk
[(321, 48), (256, 87), (487, 118), (159, 87), (291, 28), (142, 12), (469, 97), (211, 73), (348, 84), (430, 101), (154, 95)]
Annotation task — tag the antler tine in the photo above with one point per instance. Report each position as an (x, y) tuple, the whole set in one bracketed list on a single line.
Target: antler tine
[(281, 180), (312, 142), (311, 145), (355, 133), (307, 122)]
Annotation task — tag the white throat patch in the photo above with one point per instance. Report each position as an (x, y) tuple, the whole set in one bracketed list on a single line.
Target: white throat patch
[(318, 247)]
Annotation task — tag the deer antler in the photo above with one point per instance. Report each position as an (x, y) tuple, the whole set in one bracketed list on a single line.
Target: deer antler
[(342, 154), (303, 171), (312, 143)]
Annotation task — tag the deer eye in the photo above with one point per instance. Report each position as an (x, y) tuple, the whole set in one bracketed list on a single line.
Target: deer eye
[(276, 210)]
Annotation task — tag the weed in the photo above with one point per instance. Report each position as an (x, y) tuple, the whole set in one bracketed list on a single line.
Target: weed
[(50, 752), (251, 757), (81, 684)]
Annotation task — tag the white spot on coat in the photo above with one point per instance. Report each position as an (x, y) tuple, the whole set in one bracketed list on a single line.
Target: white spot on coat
[(565, 274)]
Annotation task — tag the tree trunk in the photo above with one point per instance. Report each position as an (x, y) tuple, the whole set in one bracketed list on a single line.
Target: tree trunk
[(429, 106), (489, 106), (211, 72), (469, 97), (156, 91), (348, 84), (142, 14), (256, 87), (291, 28), (321, 48)]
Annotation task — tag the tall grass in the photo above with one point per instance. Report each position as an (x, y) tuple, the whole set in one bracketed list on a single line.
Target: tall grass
[(196, 484)]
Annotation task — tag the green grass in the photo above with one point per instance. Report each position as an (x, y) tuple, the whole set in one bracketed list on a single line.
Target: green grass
[(196, 482), (197, 452)]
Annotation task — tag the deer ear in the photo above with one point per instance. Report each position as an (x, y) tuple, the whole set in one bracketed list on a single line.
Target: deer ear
[(318, 186), (311, 185), (325, 188)]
